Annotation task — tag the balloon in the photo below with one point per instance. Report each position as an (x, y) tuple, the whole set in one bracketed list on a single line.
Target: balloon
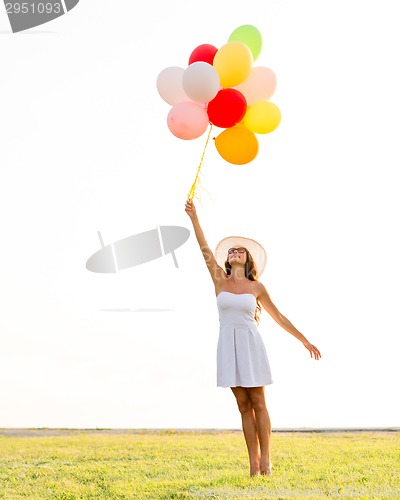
[(227, 108), (260, 85), (187, 120), (237, 145), (169, 85), (205, 53), (201, 82), (233, 62), (263, 117), (250, 36)]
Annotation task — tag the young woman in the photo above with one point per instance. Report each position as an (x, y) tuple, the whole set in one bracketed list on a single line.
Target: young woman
[(242, 362)]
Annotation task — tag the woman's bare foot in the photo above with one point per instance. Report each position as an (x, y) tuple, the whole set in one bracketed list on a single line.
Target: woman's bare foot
[(255, 469), (266, 468)]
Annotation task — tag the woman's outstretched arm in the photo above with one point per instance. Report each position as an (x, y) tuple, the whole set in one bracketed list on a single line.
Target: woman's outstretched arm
[(213, 267), (268, 305)]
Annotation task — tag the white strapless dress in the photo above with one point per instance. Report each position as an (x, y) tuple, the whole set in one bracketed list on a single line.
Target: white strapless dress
[(242, 359)]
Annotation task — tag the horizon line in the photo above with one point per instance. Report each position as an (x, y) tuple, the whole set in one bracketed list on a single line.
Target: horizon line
[(37, 431)]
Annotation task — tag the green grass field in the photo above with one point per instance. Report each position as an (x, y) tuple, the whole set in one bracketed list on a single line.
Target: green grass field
[(168, 464)]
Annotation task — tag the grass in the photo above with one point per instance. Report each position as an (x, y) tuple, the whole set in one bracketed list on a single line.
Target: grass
[(170, 465)]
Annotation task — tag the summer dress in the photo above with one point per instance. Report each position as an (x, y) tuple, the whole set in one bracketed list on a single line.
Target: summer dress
[(241, 355)]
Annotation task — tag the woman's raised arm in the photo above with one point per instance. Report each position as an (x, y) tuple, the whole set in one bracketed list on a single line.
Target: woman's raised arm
[(215, 270)]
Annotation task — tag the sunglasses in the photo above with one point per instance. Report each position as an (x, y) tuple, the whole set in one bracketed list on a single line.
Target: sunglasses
[(238, 250)]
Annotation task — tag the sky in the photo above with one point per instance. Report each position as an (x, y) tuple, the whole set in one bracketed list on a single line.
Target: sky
[(85, 147)]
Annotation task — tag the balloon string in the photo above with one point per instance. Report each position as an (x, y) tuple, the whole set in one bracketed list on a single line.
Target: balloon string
[(193, 189)]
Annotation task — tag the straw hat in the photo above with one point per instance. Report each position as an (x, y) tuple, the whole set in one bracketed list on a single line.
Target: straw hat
[(257, 251)]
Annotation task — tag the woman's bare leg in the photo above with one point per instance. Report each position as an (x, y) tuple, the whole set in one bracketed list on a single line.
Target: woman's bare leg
[(263, 425), (249, 427)]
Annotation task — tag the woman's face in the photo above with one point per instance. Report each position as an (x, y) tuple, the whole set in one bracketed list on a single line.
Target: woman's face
[(237, 254)]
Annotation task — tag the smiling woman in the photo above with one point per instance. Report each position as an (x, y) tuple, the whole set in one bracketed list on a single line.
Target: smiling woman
[(242, 361)]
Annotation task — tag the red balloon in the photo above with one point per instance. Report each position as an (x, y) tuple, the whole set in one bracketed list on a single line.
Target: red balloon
[(203, 53), (227, 108)]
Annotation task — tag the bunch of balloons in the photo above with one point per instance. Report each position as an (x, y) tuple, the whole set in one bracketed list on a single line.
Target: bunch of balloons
[(221, 87)]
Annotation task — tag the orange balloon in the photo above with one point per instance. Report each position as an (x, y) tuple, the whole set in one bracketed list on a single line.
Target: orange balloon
[(237, 145)]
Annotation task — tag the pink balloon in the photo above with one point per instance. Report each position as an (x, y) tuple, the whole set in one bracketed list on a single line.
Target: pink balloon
[(258, 86), (187, 120)]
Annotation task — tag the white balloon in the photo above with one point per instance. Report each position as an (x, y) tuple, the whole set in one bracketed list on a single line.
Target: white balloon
[(169, 85), (201, 82)]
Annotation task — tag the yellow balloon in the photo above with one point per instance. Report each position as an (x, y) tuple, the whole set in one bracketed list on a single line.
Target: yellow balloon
[(233, 63), (237, 145), (263, 117)]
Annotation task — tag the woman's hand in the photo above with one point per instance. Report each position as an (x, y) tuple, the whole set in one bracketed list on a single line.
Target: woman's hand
[(190, 209), (313, 350)]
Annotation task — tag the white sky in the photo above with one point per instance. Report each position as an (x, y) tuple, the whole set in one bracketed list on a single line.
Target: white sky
[(85, 147)]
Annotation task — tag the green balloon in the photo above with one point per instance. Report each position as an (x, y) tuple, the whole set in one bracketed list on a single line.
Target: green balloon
[(250, 36)]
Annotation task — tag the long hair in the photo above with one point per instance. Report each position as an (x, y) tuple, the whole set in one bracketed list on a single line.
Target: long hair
[(250, 271)]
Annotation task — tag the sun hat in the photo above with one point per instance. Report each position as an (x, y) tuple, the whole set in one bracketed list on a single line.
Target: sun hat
[(257, 251)]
